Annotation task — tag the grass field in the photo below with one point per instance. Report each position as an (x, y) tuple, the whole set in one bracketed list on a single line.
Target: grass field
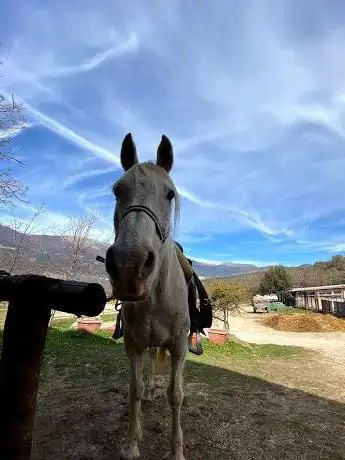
[(242, 401), (3, 313), (62, 323)]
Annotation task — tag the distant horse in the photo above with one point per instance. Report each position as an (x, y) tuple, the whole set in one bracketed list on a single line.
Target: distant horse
[(147, 278)]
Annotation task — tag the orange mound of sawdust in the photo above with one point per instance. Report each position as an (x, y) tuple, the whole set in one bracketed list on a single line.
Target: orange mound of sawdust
[(317, 322)]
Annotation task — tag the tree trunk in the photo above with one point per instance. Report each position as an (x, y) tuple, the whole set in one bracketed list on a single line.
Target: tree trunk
[(227, 325)]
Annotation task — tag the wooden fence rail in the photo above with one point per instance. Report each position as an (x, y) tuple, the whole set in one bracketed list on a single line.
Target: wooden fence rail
[(31, 299)]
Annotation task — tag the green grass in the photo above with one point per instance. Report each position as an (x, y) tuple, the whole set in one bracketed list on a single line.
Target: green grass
[(250, 350), (3, 313), (109, 317), (79, 357), (64, 323)]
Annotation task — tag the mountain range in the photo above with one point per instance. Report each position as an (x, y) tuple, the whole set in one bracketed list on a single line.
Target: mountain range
[(52, 255)]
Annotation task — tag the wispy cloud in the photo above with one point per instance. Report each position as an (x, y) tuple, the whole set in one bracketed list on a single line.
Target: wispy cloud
[(58, 128), (75, 178), (90, 64), (253, 101)]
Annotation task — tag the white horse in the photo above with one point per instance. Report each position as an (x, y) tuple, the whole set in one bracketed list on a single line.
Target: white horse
[(147, 277)]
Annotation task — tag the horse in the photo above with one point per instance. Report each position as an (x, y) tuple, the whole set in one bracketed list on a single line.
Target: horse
[(147, 277)]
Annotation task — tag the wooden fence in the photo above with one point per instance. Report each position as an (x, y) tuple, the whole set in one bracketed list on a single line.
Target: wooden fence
[(336, 307), (333, 303), (31, 298)]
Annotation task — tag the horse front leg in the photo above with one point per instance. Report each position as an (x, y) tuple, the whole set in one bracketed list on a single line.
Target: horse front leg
[(175, 397), (136, 388), (151, 381)]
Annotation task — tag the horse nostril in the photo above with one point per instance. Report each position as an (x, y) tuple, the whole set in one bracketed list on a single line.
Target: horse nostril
[(110, 264), (150, 261)]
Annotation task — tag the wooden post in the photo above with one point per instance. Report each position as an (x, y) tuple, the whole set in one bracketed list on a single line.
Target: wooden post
[(332, 302), (23, 343), (318, 303), (31, 298)]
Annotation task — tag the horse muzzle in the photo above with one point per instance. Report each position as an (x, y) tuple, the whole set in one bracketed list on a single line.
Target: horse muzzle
[(129, 272)]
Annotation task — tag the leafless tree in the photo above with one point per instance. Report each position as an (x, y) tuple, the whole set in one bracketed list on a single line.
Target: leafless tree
[(21, 230), (76, 243), (11, 121)]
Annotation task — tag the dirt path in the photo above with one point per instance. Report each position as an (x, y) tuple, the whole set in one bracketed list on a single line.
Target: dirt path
[(247, 327)]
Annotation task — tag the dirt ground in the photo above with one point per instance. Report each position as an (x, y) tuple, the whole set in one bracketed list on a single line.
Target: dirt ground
[(242, 402), (311, 322), (248, 327), (244, 418), (260, 402)]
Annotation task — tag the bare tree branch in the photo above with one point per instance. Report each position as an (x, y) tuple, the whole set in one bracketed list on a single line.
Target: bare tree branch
[(76, 239), (11, 122), (21, 232), (71, 259)]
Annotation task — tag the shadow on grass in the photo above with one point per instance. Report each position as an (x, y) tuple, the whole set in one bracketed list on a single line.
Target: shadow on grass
[(83, 412)]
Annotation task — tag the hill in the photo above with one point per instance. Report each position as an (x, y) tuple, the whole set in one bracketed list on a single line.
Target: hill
[(223, 270), (51, 255), (318, 274)]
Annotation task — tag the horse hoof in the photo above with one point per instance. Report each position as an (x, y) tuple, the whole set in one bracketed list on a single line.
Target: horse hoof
[(130, 453)]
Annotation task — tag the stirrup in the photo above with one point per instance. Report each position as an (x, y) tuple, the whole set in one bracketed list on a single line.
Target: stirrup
[(198, 350), (118, 332)]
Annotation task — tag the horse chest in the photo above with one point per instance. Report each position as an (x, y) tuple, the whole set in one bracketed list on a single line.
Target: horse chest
[(148, 329)]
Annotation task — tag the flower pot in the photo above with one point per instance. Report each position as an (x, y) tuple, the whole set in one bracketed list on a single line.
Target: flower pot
[(218, 336), (89, 325), (111, 329)]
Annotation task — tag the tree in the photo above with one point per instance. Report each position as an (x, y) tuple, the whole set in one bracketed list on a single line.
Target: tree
[(73, 242), (274, 280), (21, 233), (77, 239), (226, 296), (11, 122), (76, 243)]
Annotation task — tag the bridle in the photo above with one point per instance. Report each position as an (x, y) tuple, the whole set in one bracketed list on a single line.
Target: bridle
[(163, 235), (118, 332)]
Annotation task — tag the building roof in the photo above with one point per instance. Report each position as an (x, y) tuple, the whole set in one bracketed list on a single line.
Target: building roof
[(318, 288)]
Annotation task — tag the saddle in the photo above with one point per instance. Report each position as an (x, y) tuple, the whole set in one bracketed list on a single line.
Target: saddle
[(185, 263), (200, 318)]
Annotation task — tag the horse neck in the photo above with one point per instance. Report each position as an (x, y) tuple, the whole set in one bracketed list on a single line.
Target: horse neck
[(167, 267)]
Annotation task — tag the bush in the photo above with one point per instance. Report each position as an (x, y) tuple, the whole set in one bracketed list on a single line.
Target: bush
[(226, 297)]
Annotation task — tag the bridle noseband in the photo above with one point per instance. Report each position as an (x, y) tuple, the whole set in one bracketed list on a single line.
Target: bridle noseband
[(141, 208)]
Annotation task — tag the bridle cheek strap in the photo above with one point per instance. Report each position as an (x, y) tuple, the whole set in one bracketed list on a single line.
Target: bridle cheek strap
[(139, 208)]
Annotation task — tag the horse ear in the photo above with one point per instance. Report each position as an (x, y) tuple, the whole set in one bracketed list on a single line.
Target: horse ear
[(165, 154), (129, 155)]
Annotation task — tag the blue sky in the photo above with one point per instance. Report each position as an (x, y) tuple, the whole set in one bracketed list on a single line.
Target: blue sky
[(252, 96)]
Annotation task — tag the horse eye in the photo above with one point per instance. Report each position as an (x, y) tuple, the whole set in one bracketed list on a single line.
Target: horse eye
[(170, 195)]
